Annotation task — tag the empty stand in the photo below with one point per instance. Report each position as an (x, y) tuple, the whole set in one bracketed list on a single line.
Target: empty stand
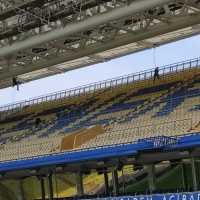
[(126, 112)]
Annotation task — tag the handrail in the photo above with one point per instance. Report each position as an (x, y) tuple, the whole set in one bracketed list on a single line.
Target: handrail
[(109, 83)]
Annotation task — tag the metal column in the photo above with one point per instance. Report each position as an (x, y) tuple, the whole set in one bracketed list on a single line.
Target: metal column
[(106, 183), (151, 177), (79, 184), (194, 174), (115, 182), (21, 190), (42, 188), (50, 183), (184, 176), (92, 22)]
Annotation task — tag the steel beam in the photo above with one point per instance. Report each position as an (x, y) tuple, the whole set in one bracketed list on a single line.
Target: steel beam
[(175, 24), (118, 13), (12, 11), (35, 23)]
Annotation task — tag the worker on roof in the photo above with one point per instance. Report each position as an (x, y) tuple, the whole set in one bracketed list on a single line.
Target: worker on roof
[(156, 74), (16, 82)]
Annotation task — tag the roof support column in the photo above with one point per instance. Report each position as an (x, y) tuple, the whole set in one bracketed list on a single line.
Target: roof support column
[(115, 182), (151, 177), (42, 187), (194, 174), (106, 182), (184, 176), (79, 184), (50, 184), (20, 193)]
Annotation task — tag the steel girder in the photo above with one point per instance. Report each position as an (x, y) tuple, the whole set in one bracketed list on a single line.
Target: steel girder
[(83, 32)]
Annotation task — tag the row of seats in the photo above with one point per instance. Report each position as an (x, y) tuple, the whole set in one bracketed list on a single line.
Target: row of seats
[(126, 112)]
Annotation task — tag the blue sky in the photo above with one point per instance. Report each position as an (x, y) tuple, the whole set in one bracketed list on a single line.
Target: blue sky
[(166, 54)]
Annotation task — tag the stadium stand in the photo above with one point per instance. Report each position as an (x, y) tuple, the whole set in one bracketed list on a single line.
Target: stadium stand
[(127, 112), (122, 112)]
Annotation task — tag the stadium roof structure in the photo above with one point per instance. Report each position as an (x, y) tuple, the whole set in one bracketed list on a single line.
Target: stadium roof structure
[(39, 38)]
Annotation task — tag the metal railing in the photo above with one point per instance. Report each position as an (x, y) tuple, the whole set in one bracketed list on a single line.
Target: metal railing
[(110, 83)]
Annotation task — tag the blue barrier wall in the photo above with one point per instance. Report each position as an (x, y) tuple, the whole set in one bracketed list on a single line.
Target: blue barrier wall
[(171, 196), (187, 141)]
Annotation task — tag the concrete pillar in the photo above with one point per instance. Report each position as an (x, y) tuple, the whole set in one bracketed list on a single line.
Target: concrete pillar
[(184, 176), (50, 184), (194, 174), (20, 191), (41, 179), (115, 182), (106, 183), (123, 181), (79, 184), (151, 177)]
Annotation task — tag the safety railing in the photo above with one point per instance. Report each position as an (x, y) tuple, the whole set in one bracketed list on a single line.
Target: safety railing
[(110, 83)]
